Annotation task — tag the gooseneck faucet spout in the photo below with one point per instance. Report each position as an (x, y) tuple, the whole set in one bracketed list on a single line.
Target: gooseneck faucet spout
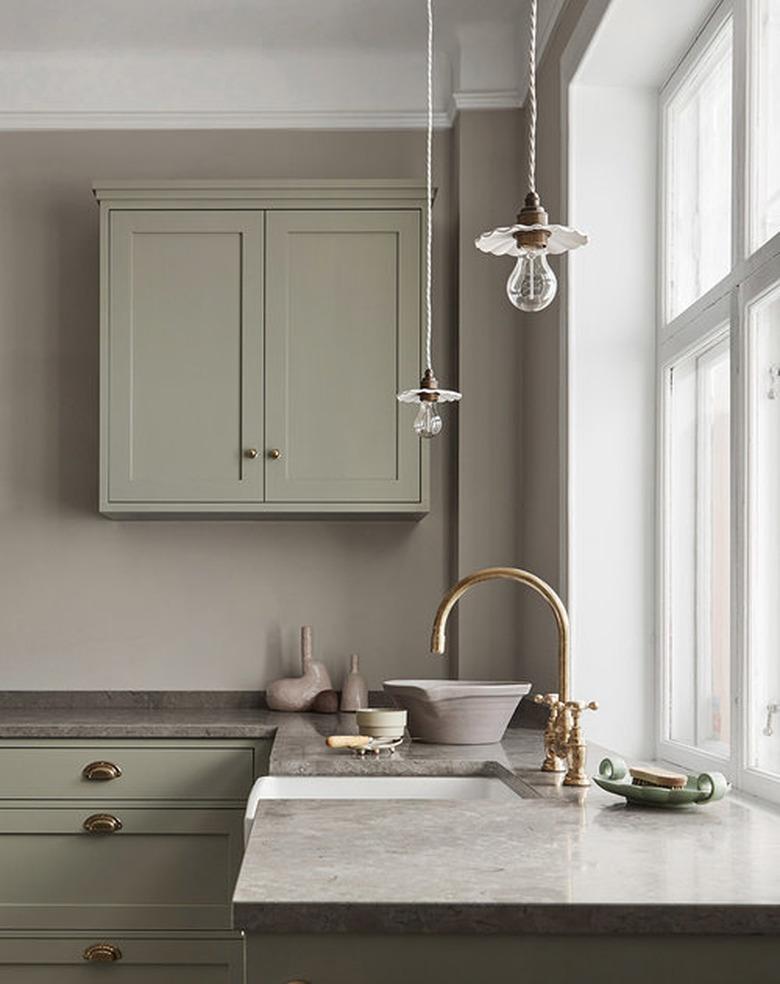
[(565, 749), (453, 596)]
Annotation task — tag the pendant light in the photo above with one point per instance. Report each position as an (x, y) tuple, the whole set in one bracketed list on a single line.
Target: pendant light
[(532, 285), (428, 422)]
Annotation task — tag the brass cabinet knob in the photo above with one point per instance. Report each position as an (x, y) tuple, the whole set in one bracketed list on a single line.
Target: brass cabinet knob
[(275, 453), (102, 823), (101, 771), (250, 453), (103, 953)]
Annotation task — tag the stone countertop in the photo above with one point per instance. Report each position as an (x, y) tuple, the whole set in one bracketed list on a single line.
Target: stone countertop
[(556, 861), (138, 722)]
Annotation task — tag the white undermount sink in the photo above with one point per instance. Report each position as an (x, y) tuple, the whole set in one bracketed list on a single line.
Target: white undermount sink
[(376, 788)]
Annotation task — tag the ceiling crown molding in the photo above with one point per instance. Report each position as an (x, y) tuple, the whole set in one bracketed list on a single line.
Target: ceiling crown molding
[(219, 120), (485, 99), (369, 80)]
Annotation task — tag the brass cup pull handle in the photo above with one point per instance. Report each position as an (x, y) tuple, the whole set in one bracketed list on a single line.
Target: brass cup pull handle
[(274, 454), (103, 953), (102, 823), (250, 453), (101, 771)]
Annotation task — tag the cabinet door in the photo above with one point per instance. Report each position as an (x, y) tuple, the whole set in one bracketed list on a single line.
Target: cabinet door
[(138, 960), (162, 869), (184, 357), (62, 771), (342, 336)]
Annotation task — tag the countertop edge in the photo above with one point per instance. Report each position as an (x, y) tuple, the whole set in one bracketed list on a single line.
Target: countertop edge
[(492, 919)]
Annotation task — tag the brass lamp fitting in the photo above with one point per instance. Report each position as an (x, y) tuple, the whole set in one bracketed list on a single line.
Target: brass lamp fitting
[(431, 383), (532, 213)]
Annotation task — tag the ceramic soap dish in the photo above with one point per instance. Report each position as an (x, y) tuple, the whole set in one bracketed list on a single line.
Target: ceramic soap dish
[(614, 777)]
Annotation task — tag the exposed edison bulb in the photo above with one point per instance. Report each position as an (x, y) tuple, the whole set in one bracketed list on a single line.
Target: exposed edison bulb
[(532, 285), (427, 423)]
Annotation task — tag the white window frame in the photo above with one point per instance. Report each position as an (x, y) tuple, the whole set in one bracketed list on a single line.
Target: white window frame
[(726, 303)]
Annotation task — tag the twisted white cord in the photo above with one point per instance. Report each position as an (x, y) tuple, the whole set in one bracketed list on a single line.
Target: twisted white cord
[(532, 100), (429, 198)]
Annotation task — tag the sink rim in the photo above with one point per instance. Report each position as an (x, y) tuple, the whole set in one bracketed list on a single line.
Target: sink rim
[(450, 689)]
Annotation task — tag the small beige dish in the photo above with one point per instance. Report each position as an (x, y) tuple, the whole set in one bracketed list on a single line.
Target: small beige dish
[(379, 722)]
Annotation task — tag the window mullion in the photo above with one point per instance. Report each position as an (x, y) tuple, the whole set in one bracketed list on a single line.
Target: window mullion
[(740, 527), (739, 132)]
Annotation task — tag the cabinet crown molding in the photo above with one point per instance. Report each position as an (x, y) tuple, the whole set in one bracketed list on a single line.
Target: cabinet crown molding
[(261, 189)]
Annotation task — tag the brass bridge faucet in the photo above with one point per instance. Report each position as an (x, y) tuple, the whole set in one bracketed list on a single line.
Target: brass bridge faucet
[(564, 746)]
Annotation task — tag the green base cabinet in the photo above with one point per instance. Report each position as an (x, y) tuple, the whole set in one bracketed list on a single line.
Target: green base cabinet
[(128, 845), (162, 869), (253, 338), (137, 960), (417, 959)]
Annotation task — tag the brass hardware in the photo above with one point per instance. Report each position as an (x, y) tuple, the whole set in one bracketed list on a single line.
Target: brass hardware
[(532, 213), (564, 743), (429, 382), (275, 454), (564, 747), (102, 823), (101, 771), (103, 953), (250, 453)]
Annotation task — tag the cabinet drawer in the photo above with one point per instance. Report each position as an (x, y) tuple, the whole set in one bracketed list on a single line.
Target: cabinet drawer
[(57, 771), (43, 960), (163, 869)]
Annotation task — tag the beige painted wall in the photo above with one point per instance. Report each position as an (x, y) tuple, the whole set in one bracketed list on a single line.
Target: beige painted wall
[(90, 603), (86, 602), (542, 368), (489, 188)]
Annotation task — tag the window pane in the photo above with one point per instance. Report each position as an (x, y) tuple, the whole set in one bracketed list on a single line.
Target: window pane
[(698, 168), (697, 536), (764, 750), (765, 129)]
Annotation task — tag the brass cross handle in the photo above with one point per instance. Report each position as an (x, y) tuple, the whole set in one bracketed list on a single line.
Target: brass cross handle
[(578, 706), (549, 700)]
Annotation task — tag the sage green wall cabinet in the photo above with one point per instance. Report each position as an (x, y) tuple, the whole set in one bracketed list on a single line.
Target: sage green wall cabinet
[(129, 958), (130, 843), (253, 338)]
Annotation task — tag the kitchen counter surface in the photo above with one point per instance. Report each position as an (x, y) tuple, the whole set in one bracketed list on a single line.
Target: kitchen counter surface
[(556, 860)]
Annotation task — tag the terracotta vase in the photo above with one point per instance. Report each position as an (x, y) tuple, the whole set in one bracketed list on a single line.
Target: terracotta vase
[(354, 693), (298, 693)]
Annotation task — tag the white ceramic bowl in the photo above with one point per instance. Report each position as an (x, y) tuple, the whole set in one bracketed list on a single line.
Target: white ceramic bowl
[(381, 722), (457, 712)]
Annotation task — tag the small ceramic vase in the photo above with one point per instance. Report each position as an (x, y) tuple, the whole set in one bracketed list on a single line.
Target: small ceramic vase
[(298, 693), (354, 693)]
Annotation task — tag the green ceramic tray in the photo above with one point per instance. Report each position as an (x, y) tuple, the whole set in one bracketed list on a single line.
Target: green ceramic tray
[(706, 788)]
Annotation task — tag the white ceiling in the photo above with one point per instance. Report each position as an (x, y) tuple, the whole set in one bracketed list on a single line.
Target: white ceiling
[(389, 25), (255, 62)]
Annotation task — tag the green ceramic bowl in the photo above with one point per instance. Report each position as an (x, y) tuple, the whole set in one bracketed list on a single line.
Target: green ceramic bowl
[(706, 788)]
